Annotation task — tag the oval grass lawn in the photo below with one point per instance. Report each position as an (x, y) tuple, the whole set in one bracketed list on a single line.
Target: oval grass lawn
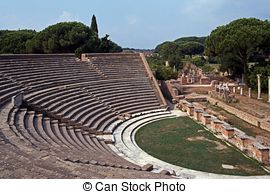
[(183, 142)]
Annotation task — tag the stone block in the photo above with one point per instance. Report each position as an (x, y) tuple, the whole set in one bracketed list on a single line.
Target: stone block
[(190, 109), (215, 123), (206, 119), (197, 114), (165, 172), (148, 167), (228, 131), (17, 100), (260, 153)]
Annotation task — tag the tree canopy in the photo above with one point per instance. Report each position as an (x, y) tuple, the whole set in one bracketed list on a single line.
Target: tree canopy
[(15, 41), (238, 42), (175, 52), (94, 25), (180, 47), (264, 70), (168, 49), (191, 48), (106, 45), (191, 39), (65, 37)]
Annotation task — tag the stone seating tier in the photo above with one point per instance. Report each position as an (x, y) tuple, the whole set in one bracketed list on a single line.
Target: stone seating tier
[(67, 104), (54, 137)]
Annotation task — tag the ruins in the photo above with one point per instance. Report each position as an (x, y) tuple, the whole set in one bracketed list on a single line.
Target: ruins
[(225, 94), (223, 130), (57, 111), (191, 74)]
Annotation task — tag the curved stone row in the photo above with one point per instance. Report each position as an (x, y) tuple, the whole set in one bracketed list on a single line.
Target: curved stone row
[(65, 141), (68, 105), (126, 147), (90, 106), (45, 139)]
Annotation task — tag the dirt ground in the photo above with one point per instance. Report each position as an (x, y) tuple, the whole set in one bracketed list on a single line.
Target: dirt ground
[(253, 106), (199, 90), (201, 138)]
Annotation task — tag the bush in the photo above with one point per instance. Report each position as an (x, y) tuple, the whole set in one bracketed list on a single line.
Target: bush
[(207, 68), (198, 61), (165, 73), (162, 72)]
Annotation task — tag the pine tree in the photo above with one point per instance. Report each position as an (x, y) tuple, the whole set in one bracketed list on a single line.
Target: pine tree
[(94, 25)]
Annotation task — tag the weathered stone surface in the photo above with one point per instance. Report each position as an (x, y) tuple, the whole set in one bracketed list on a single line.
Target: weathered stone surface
[(165, 172), (17, 100), (148, 167)]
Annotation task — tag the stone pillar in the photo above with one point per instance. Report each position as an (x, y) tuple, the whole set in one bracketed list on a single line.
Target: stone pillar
[(234, 90), (259, 86), (241, 91), (268, 88), (249, 92)]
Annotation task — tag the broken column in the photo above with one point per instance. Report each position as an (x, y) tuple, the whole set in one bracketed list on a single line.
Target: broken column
[(259, 86), (234, 90), (249, 92), (241, 91)]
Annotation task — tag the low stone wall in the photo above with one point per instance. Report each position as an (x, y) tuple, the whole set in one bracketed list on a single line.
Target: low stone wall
[(265, 125), (241, 114), (248, 145)]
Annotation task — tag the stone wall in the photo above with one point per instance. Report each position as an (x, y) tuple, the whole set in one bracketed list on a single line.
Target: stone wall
[(249, 145), (165, 90), (241, 114)]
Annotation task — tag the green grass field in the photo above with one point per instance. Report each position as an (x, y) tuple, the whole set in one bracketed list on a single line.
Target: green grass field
[(183, 142)]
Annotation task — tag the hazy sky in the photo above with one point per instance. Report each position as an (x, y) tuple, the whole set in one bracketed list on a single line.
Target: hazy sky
[(133, 23)]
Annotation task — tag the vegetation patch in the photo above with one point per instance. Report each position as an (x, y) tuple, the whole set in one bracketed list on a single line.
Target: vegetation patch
[(183, 142), (64, 37)]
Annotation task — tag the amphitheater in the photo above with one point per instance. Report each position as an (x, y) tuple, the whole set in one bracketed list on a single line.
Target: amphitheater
[(61, 117)]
